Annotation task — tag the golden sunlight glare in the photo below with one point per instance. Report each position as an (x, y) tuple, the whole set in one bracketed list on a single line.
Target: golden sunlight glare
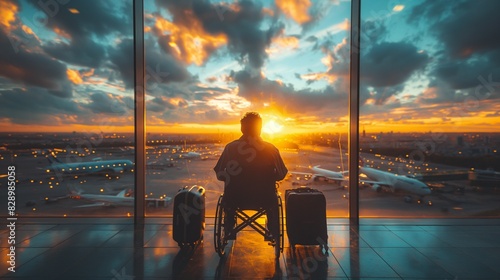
[(272, 127)]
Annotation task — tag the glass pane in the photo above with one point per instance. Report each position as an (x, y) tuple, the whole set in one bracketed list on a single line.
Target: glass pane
[(209, 63), (66, 107), (429, 109)]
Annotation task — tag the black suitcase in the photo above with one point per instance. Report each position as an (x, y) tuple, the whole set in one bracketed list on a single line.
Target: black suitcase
[(189, 216), (306, 217)]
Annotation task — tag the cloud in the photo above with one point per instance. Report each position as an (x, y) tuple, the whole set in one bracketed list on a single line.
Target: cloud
[(95, 17), (390, 64), (84, 32), (463, 74), (8, 13), (373, 31), (32, 68), (380, 95), (33, 106), (80, 51), (263, 92), (429, 10), (295, 9), (469, 58), (465, 31), (188, 43), (109, 104), (241, 23), (161, 68)]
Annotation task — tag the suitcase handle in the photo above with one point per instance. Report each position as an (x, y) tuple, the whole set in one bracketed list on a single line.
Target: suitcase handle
[(304, 190)]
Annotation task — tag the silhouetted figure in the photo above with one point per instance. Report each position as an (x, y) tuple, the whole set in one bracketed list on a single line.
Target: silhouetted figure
[(250, 168)]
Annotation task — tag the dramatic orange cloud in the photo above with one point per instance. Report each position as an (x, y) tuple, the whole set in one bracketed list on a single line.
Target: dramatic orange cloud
[(8, 11), (76, 77), (191, 44), (295, 9), (283, 42)]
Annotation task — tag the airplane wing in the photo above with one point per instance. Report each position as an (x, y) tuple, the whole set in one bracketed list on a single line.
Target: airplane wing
[(379, 185), (382, 183), (99, 204)]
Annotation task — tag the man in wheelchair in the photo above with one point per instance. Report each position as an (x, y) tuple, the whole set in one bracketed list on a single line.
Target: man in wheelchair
[(250, 168)]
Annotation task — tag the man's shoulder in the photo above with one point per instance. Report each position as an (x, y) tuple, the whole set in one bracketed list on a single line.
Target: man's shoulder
[(269, 145), (234, 143)]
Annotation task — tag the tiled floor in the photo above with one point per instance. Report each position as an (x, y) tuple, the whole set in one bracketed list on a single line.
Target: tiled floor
[(378, 249)]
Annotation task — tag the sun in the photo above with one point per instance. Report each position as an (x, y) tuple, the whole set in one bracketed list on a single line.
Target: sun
[(272, 127)]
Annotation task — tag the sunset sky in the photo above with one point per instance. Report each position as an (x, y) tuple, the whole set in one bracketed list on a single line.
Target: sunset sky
[(425, 65)]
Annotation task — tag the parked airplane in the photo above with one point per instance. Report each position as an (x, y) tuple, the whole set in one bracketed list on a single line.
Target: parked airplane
[(123, 198), (393, 182), (378, 179), (321, 173), (190, 155), (87, 167)]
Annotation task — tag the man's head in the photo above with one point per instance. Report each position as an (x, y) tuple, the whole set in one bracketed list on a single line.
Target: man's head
[(251, 124)]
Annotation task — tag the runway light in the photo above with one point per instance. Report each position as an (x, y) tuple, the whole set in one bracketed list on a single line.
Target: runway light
[(101, 190)]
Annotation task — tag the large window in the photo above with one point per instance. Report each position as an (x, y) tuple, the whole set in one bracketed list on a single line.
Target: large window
[(428, 102), (209, 63), (429, 109), (66, 107)]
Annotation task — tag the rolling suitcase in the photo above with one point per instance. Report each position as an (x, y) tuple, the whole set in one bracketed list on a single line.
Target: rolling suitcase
[(189, 216), (306, 217)]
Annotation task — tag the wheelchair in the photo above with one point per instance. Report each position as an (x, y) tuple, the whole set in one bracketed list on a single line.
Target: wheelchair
[(222, 235)]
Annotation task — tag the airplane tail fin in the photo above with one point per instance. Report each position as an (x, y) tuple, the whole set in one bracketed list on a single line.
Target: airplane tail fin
[(124, 193)]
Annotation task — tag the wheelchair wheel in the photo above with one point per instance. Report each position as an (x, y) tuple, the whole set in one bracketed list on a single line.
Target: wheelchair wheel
[(220, 241), (280, 241)]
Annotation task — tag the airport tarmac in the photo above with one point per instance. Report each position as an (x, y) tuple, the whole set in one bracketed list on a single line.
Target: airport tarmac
[(35, 186)]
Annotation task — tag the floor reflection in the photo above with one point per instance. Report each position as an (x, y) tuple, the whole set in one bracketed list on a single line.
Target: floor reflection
[(117, 250)]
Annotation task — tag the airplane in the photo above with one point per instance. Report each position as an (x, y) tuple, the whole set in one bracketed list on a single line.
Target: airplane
[(123, 198), (378, 179), (394, 182), (193, 155), (160, 164), (190, 155), (321, 174), (88, 167)]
